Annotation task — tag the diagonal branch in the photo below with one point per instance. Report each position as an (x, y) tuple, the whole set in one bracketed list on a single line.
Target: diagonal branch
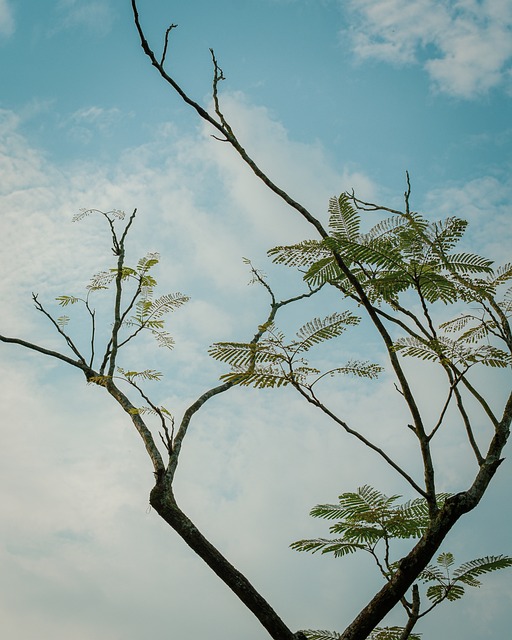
[(79, 364), (312, 399), (68, 340)]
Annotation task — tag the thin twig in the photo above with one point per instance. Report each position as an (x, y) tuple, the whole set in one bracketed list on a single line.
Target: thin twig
[(166, 42), (68, 340)]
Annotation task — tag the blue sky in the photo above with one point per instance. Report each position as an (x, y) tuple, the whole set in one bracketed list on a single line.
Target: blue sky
[(326, 95)]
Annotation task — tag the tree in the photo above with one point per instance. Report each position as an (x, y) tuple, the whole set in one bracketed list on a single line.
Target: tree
[(401, 273)]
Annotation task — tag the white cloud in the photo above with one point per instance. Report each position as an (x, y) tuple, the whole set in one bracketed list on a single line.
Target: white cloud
[(83, 124), (465, 46), (7, 24), (95, 17), (76, 473), (485, 204)]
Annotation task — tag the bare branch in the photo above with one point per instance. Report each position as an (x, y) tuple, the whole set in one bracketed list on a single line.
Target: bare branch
[(166, 42), (68, 340), (311, 398), (79, 364)]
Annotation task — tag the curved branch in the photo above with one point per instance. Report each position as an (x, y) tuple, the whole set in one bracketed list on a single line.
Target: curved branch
[(48, 352), (314, 401)]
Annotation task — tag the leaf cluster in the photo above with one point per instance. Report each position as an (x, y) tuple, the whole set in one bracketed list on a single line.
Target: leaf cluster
[(365, 518), (457, 352), (368, 517), (403, 252), (379, 633), (273, 361), (450, 583)]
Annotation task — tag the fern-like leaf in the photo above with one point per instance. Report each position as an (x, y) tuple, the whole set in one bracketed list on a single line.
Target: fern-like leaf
[(391, 633), (245, 354), (65, 300), (468, 571), (344, 220), (102, 280), (358, 369), (320, 634), (339, 548), (147, 262), (147, 374), (166, 303), (439, 592), (318, 330), (323, 270), (164, 339), (261, 378), (468, 263), (302, 254)]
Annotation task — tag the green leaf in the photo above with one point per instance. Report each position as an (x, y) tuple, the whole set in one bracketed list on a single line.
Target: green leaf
[(358, 369), (147, 262), (102, 381), (323, 270), (245, 354), (101, 280), (318, 330), (339, 548), (469, 263), (62, 321), (165, 304), (344, 220), (445, 560), (439, 592), (391, 633), (388, 227), (468, 571), (301, 254), (164, 339), (147, 374), (261, 378), (501, 275), (321, 635), (65, 300)]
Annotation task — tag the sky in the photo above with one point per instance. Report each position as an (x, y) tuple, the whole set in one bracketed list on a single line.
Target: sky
[(326, 95)]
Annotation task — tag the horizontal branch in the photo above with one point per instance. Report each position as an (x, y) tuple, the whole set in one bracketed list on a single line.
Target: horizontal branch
[(79, 364)]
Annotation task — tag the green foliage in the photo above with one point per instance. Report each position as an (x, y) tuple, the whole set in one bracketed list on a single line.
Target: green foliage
[(147, 374), (158, 411), (102, 381), (391, 633), (321, 635), (368, 520), (365, 518), (455, 351), (274, 362), (379, 633), (449, 583), (65, 300), (408, 254), (318, 330)]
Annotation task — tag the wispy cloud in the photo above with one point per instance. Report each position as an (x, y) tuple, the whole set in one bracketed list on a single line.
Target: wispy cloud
[(6, 19), (465, 46), (95, 17), (84, 123)]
